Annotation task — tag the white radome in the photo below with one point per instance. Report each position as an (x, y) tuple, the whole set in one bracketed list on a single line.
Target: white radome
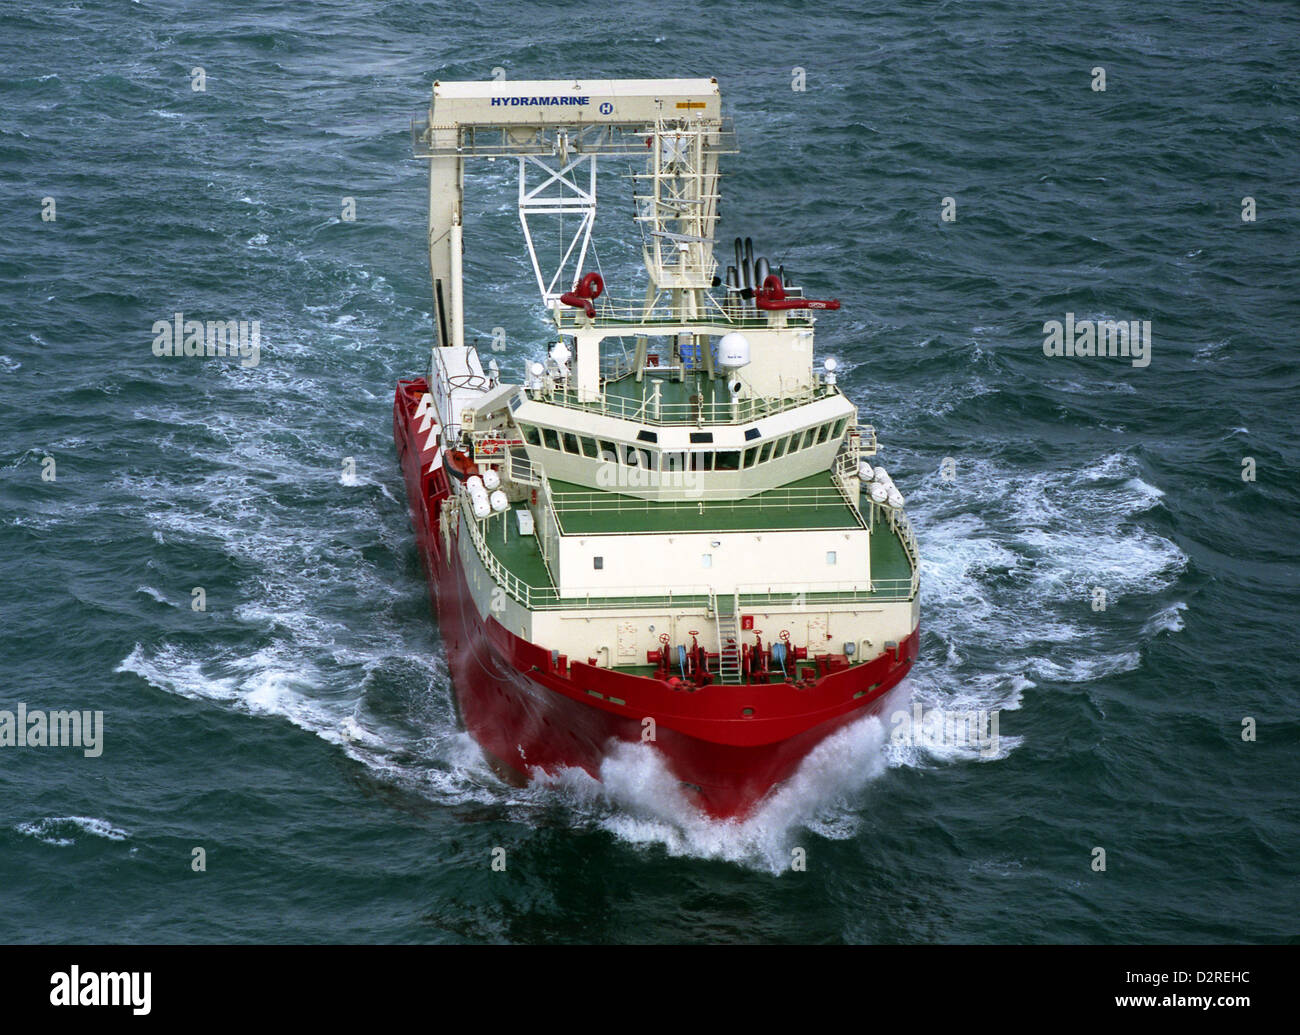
[(733, 351)]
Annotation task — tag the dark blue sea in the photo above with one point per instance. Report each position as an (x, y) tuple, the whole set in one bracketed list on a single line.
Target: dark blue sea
[(299, 727)]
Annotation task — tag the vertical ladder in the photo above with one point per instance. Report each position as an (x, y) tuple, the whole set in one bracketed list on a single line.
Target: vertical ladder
[(725, 608)]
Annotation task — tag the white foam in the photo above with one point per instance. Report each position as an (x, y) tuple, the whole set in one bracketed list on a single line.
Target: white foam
[(1169, 619), (155, 594), (640, 801), (62, 831)]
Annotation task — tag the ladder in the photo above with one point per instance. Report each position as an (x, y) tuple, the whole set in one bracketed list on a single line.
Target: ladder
[(725, 609)]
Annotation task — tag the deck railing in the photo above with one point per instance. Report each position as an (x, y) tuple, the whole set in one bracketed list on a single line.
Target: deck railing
[(807, 594), (632, 312), (900, 523), (867, 435), (698, 411), (520, 469)]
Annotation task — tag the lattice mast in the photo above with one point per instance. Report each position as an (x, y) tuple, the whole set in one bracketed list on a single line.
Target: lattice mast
[(557, 130)]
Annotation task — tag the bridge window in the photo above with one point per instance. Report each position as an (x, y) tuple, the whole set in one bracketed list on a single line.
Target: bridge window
[(840, 425), (808, 437), (766, 454), (607, 451), (531, 434), (551, 439), (588, 446), (751, 456), (728, 460), (779, 450), (570, 442), (823, 433)]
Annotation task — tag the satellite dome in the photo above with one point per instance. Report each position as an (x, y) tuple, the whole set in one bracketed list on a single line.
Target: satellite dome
[(733, 351)]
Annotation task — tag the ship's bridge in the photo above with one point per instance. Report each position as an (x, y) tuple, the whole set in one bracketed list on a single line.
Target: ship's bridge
[(628, 454)]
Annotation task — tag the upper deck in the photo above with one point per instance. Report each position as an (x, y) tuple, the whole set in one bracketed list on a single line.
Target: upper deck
[(665, 395), (517, 563), (814, 503)]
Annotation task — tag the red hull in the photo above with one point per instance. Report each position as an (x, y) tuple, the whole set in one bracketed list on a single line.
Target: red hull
[(527, 712)]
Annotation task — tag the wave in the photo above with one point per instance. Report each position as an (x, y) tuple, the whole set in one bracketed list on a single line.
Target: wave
[(63, 831)]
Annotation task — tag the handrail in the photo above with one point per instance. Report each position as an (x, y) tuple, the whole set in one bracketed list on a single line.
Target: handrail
[(880, 590), (617, 311), (867, 435), (520, 469), (700, 413), (844, 467), (903, 526)]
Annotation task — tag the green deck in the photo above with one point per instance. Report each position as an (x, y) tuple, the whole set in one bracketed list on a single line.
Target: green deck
[(888, 557), (585, 511), (890, 569), (695, 391), (518, 553)]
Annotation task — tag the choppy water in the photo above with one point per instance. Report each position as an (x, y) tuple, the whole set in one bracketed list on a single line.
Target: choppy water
[(300, 728)]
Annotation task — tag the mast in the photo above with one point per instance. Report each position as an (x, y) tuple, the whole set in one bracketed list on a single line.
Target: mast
[(556, 130)]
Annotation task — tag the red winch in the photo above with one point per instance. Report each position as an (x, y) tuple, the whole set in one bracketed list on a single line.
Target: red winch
[(772, 296)]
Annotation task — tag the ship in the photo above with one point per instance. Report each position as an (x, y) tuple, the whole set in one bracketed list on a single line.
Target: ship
[(671, 529)]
